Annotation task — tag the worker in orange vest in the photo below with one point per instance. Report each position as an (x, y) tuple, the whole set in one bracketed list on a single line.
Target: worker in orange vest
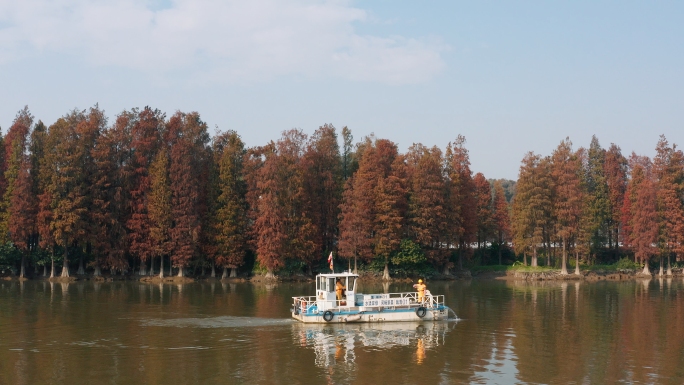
[(339, 290), (420, 287)]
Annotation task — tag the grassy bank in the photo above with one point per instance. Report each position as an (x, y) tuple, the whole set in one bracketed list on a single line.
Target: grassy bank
[(508, 268)]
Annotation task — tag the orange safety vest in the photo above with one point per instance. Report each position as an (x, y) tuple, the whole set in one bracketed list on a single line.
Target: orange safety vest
[(339, 288), (421, 290)]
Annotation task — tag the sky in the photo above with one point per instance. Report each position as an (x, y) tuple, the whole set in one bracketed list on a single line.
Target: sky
[(511, 77)]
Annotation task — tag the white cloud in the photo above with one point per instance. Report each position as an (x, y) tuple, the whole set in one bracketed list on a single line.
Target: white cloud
[(216, 40)]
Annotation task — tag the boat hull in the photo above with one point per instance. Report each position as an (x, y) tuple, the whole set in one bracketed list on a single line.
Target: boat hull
[(370, 316)]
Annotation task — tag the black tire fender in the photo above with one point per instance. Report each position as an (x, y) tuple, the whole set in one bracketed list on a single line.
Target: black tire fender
[(421, 311), (328, 316)]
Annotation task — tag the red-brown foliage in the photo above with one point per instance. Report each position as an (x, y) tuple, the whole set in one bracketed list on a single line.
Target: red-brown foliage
[(188, 138), (230, 211), (426, 216), (639, 210), (108, 211), (23, 208), (390, 204), (568, 200), (461, 204), (322, 183), (483, 199), (501, 217), (615, 170), (146, 130)]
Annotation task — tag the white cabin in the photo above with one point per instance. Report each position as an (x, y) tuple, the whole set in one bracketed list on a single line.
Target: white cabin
[(325, 290)]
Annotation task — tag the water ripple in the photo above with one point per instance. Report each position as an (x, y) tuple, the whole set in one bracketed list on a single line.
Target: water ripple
[(216, 322)]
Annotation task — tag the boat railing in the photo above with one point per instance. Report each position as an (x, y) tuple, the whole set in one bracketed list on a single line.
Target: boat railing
[(304, 304), (429, 300), (434, 300)]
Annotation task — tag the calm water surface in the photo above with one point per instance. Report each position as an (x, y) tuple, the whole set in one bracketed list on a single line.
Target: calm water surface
[(216, 333)]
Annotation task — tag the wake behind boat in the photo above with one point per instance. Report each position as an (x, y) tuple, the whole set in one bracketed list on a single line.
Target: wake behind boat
[(339, 303)]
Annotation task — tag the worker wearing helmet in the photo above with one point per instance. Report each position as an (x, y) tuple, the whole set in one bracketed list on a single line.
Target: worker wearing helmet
[(420, 287), (339, 290)]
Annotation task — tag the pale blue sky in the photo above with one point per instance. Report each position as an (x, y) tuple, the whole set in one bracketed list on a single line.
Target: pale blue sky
[(510, 76)]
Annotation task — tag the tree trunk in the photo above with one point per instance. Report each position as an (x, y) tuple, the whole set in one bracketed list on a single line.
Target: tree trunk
[(81, 270), (660, 273), (151, 266), (669, 265), (577, 270), (500, 246), (610, 238), (97, 272), (45, 270), (524, 258), (534, 256), (22, 270), (65, 264), (143, 268), (356, 271), (386, 274), (181, 271), (161, 267), (233, 272), (52, 269), (547, 250), (269, 273), (225, 273), (564, 261), (646, 271), (213, 270)]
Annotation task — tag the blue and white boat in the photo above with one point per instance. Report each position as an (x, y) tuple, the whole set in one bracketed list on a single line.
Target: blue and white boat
[(324, 307)]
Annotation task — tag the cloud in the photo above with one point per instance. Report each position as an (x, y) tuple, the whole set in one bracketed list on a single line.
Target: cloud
[(217, 40)]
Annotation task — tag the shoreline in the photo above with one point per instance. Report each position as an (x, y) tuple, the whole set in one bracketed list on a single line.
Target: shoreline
[(585, 275), (506, 275)]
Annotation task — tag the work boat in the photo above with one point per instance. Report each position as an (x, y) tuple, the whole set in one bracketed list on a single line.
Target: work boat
[(324, 307)]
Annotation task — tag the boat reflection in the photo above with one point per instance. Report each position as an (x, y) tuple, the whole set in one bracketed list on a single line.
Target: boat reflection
[(336, 344)]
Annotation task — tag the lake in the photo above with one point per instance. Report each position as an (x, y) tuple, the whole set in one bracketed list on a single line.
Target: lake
[(240, 333)]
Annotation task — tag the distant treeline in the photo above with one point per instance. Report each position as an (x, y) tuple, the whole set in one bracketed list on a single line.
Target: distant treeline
[(600, 205), (148, 188)]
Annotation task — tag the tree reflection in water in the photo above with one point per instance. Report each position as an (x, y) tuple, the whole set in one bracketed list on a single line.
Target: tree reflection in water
[(226, 333)]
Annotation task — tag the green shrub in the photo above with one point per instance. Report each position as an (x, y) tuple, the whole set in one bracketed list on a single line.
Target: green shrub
[(258, 269), (626, 263), (409, 254)]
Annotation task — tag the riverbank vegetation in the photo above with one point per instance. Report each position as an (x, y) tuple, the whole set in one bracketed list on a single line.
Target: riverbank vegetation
[(623, 265), (151, 194)]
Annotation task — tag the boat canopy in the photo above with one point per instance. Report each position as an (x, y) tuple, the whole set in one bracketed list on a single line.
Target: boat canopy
[(326, 282), (338, 275)]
